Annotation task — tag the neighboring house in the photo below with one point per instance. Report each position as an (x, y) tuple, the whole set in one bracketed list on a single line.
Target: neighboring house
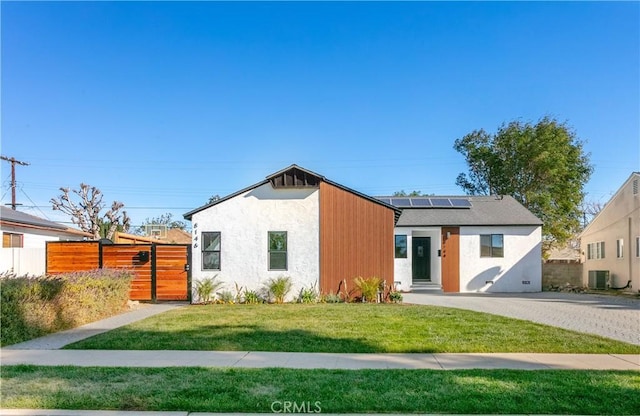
[(467, 244), (24, 238), (173, 236), (300, 224), (610, 244)]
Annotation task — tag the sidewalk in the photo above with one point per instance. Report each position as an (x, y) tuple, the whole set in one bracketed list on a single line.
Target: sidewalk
[(300, 360)]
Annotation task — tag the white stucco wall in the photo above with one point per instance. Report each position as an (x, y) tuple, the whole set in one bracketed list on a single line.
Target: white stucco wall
[(522, 261), (402, 267), (618, 220), (244, 222)]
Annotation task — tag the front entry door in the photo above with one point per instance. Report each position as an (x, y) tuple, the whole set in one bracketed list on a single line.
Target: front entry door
[(421, 259)]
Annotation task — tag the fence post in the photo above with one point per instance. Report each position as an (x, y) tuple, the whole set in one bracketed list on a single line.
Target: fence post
[(153, 272)]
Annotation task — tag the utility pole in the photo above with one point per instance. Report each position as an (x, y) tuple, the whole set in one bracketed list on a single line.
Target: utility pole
[(13, 162)]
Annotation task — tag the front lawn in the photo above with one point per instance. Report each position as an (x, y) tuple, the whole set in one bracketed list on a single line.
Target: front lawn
[(326, 391), (357, 328)]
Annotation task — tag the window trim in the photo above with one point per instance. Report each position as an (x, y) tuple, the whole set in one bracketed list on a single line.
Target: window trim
[(596, 250), (219, 251), (395, 246), (491, 246), (285, 251)]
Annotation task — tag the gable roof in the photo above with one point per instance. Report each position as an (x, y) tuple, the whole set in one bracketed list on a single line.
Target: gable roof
[(14, 218), (484, 210), (300, 177), (633, 176)]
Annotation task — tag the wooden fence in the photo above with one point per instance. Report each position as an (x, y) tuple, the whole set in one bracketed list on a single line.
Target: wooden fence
[(161, 270)]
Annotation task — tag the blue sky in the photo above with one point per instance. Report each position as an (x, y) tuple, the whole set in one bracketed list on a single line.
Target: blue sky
[(162, 104)]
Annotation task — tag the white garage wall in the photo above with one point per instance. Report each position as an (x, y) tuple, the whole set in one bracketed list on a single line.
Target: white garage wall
[(245, 221), (522, 261)]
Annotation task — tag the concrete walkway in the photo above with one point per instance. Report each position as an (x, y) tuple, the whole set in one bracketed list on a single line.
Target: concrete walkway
[(245, 359), (614, 317)]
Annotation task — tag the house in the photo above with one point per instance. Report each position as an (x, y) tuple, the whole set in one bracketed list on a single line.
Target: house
[(300, 224), (610, 244), (24, 237), (295, 223), (467, 244), (172, 236)]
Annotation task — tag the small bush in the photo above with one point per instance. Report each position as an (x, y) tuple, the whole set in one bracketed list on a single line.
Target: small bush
[(395, 296), (279, 288), (368, 287), (308, 295), (331, 298), (206, 289), (251, 297), (226, 296), (35, 306)]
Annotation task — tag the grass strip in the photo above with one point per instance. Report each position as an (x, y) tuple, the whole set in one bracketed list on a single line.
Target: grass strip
[(347, 391), (350, 328)]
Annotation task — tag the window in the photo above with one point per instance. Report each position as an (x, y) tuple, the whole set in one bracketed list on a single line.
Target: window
[(491, 245), (277, 250), (401, 246), (11, 240), (595, 251), (211, 250), (637, 246), (620, 248)]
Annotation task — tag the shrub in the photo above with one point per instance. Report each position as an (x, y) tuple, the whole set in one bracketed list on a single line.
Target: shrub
[(279, 288), (368, 287), (206, 288), (35, 306), (251, 297), (226, 296), (395, 296), (331, 298), (308, 295)]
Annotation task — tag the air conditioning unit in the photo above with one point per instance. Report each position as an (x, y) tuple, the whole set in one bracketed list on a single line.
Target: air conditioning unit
[(599, 279)]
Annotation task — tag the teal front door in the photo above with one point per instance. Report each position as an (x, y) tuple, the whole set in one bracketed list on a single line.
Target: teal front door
[(421, 259)]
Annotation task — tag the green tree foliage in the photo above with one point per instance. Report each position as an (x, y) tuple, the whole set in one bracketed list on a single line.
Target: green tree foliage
[(541, 165), (404, 193)]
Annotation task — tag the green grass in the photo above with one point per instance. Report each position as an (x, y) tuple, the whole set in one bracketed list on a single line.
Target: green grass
[(349, 391), (345, 328)]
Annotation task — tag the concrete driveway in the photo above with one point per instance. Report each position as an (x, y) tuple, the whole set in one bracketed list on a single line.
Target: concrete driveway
[(609, 316)]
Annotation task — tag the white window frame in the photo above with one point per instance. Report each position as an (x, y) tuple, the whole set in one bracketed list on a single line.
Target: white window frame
[(595, 251)]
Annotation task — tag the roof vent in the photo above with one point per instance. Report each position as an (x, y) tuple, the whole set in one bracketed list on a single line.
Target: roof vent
[(635, 187)]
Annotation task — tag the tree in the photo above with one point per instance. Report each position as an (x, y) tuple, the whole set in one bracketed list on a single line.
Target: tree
[(86, 213), (589, 211), (543, 166), (164, 219), (213, 198), (412, 193)]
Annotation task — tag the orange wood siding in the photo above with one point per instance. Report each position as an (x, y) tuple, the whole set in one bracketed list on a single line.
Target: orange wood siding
[(356, 239), (127, 257), (171, 277), (450, 259), (64, 257)]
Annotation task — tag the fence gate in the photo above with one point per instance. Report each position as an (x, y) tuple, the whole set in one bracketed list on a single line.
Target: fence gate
[(161, 270)]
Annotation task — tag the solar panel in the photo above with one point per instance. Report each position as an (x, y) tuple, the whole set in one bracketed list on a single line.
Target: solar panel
[(385, 200), (401, 202), (461, 203), (421, 202), (441, 203)]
